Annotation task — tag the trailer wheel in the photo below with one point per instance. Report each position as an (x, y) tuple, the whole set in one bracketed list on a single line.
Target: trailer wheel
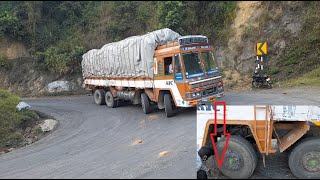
[(240, 159), (145, 103), (110, 101), (99, 96), (168, 105), (304, 160)]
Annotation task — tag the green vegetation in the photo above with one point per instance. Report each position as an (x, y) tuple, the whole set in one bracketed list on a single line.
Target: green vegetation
[(311, 78), (302, 56), (171, 14), (5, 62), (274, 70), (11, 120), (59, 32)]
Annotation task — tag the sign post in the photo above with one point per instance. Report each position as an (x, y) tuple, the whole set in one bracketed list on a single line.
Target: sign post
[(261, 50)]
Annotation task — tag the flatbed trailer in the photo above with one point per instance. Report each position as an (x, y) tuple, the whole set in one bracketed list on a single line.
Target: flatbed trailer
[(253, 128)]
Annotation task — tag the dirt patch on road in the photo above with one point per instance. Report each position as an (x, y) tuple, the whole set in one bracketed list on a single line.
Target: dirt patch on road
[(136, 141)]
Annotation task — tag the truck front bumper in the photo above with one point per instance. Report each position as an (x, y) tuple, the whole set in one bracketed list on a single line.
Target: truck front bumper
[(205, 100), (210, 99)]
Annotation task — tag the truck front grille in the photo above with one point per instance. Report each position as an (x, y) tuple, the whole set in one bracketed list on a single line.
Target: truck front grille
[(209, 92)]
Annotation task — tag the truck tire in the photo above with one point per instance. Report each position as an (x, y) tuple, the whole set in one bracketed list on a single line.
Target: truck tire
[(168, 105), (99, 97), (304, 160), (145, 103), (240, 159), (110, 101)]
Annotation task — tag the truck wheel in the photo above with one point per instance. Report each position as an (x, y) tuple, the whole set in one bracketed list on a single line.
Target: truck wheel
[(240, 159), (145, 103), (111, 103), (168, 105), (304, 160), (99, 96)]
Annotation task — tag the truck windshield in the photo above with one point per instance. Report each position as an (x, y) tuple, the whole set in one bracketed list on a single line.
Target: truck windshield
[(209, 62), (192, 65)]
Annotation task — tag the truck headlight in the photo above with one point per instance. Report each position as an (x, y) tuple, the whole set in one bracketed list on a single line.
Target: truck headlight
[(196, 94)]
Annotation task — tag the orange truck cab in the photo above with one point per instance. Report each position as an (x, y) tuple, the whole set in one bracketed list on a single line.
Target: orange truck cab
[(188, 69)]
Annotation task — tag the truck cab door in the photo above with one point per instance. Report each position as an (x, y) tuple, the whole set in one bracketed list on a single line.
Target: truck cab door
[(178, 76)]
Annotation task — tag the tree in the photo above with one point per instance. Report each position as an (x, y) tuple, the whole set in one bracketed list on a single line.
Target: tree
[(171, 14)]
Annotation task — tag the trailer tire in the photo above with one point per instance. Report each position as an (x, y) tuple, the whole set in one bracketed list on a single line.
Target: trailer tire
[(99, 96), (145, 103), (110, 101), (240, 159), (168, 105), (304, 160)]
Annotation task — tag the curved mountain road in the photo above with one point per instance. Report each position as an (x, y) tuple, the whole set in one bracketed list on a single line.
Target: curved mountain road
[(98, 142)]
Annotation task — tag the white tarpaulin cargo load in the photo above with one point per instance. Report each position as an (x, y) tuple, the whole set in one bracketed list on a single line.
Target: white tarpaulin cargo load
[(131, 57)]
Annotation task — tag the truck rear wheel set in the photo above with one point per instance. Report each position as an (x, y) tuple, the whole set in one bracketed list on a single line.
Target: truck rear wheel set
[(102, 97)]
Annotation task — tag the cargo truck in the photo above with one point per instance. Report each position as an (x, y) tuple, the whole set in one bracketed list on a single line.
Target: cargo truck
[(262, 130), (160, 67)]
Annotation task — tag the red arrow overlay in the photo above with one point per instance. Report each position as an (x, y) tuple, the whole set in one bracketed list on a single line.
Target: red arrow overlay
[(215, 132)]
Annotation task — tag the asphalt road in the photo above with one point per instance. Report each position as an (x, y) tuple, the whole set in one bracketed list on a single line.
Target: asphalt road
[(276, 96), (97, 142)]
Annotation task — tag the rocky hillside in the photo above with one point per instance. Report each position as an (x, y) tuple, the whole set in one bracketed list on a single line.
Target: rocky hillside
[(41, 43), (25, 78), (292, 32)]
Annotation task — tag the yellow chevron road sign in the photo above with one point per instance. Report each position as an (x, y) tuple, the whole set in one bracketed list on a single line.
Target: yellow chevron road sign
[(261, 48)]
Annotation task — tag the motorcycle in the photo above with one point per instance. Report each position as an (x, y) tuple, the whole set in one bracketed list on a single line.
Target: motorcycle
[(261, 81)]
